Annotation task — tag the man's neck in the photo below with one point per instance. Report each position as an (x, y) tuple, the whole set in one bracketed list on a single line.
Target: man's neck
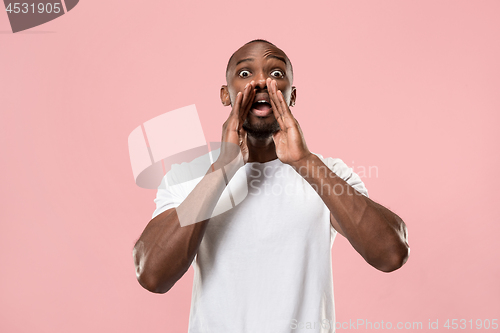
[(261, 150)]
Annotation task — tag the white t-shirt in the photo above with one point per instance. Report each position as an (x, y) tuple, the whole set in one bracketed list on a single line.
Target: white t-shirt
[(265, 265)]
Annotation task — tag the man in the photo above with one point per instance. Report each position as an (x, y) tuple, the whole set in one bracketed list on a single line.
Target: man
[(264, 265)]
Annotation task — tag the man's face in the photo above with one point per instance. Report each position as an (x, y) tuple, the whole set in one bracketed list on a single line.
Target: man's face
[(256, 62)]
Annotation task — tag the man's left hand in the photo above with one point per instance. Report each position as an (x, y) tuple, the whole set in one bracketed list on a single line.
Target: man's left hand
[(289, 141)]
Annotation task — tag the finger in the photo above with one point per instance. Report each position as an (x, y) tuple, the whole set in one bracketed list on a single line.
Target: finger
[(243, 104), (249, 106), (232, 121), (251, 97), (275, 104), (272, 96), (237, 104), (278, 116), (276, 137), (246, 93), (277, 100), (242, 137), (284, 103), (246, 106), (284, 106)]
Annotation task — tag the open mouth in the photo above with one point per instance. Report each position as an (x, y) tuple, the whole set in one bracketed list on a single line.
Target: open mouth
[(261, 107)]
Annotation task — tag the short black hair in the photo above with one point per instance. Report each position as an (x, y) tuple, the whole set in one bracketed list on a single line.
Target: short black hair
[(258, 41)]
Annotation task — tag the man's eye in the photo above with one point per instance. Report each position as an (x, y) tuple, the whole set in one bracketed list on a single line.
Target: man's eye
[(277, 74), (244, 73)]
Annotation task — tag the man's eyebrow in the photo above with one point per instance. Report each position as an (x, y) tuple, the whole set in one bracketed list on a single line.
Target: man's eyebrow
[(276, 57), (243, 60)]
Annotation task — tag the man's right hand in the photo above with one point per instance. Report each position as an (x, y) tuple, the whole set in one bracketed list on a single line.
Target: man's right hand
[(170, 241), (234, 137)]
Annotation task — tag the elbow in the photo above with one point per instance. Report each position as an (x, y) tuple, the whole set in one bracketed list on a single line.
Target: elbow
[(151, 284), (395, 259), (397, 251), (146, 278)]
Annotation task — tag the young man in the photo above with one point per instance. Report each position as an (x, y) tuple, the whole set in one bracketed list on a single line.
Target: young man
[(264, 265)]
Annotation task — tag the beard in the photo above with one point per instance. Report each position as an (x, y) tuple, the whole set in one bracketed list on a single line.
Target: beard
[(261, 131)]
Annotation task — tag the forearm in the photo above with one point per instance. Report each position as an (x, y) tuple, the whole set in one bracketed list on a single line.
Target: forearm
[(375, 232), (165, 250), (170, 241)]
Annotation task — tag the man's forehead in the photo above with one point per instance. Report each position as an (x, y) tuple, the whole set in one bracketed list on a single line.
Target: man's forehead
[(257, 50)]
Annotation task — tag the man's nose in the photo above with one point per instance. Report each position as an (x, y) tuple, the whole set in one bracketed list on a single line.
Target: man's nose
[(260, 81)]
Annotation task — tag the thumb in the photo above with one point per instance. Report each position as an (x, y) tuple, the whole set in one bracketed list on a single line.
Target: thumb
[(276, 137), (242, 135)]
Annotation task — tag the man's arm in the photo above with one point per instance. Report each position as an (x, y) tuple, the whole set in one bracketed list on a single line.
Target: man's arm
[(170, 241), (167, 247), (377, 234)]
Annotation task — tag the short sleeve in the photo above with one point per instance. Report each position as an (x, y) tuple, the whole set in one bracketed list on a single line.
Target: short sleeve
[(179, 181), (343, 171), (346, 173), (169, 197)]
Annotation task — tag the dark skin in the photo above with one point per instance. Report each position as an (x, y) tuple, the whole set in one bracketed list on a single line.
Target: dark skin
[(260, 71)]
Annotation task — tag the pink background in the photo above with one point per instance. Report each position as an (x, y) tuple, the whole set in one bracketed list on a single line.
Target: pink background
[(410, 87)]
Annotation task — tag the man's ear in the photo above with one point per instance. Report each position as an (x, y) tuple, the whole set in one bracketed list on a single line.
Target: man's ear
[(224, 96), (293, 96)]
